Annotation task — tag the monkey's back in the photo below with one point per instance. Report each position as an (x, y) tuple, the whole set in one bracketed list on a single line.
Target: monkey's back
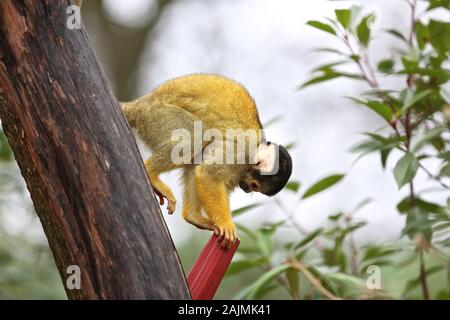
[(218, 101)]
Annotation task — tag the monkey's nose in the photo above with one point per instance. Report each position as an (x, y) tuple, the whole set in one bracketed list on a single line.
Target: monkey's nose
[(244, 186)]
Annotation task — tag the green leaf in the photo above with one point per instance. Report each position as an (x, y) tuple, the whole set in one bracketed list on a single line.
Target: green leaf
[(377, 143), (362, 204), (406, 259), (377, 106), (334, 257), (355, 57), (439, 4), (248, 249), (429, 135), (264, 239), (415, 283), (384, 154), (377, 92), (439, 35), (290, 145), (326, 283), (244, 209), (294, 282), (412, 99), (301, 254), (386, 65), (397, 34), (440, 75), (343, 16), (406, 169), (321, 26), (330, 50), (265, 279), (381, 109), (246, 231), (308, 238), (347, 280), (418, 222), (293, 186), (445, 170), (266, 290), (422, 34), (322, 184), (365, 147), (405, 205), (237, 267), (335, 217), (445, 242), (373, 252), (274, 120), (363, 30), (445, 155), (329, 66), (329, 75), (322, 78), (441, 226)]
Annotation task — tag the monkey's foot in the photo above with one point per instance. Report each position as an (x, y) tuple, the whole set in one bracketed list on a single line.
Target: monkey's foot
[(171, 201), (226, 232)]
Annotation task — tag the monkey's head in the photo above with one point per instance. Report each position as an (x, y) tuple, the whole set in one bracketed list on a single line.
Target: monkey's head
[(270, 172)]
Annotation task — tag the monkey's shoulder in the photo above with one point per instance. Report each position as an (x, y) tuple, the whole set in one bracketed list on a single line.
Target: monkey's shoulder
[(206, 94)]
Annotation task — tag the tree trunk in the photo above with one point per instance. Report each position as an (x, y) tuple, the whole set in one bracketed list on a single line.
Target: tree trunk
[(79, 160)]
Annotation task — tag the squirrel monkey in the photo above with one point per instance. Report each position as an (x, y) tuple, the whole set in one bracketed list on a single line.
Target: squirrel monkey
[(218, 104)]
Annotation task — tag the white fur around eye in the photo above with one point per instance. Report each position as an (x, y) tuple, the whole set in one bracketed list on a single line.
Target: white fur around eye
[(266, 158)]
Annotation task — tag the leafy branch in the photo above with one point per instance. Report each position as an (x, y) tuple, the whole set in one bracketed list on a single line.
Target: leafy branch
[(415, 109)]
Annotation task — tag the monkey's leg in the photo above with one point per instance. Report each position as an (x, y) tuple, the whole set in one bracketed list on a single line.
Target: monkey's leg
[(191, 204), (213, 197), (153, 171), (161, 121)]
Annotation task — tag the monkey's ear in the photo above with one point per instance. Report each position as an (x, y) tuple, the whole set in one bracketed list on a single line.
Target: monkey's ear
[(266, 157)]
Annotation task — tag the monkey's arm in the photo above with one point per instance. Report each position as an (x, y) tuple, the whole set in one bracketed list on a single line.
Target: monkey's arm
[(213, 197), (154, 168)]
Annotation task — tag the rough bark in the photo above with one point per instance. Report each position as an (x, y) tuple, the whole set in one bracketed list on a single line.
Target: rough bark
[(79, 161)]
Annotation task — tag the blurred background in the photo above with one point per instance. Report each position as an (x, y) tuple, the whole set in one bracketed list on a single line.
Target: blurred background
[(267, 46)]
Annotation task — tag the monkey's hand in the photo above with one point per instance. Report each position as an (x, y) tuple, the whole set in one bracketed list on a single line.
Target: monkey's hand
[(171, 201), (160, 188), (227, 233)]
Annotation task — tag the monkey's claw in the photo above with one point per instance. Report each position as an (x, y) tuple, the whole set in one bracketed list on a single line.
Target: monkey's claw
[(160, 196), (227, 233), (171, 205), (171, 202)]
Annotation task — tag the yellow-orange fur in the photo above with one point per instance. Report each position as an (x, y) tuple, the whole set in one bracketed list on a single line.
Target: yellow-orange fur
[(219, 103)]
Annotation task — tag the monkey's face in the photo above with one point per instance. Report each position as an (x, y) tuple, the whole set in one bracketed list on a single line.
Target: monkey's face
[(271, 171)]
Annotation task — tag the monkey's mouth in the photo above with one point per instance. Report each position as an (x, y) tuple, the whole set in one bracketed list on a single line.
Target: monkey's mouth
[(244, 186)]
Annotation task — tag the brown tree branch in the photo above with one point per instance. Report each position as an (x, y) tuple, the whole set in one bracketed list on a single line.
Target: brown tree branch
[(297, 265), (79, 161)]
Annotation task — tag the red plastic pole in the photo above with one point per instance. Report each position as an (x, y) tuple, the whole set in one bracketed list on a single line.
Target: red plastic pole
[(209, 269)]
